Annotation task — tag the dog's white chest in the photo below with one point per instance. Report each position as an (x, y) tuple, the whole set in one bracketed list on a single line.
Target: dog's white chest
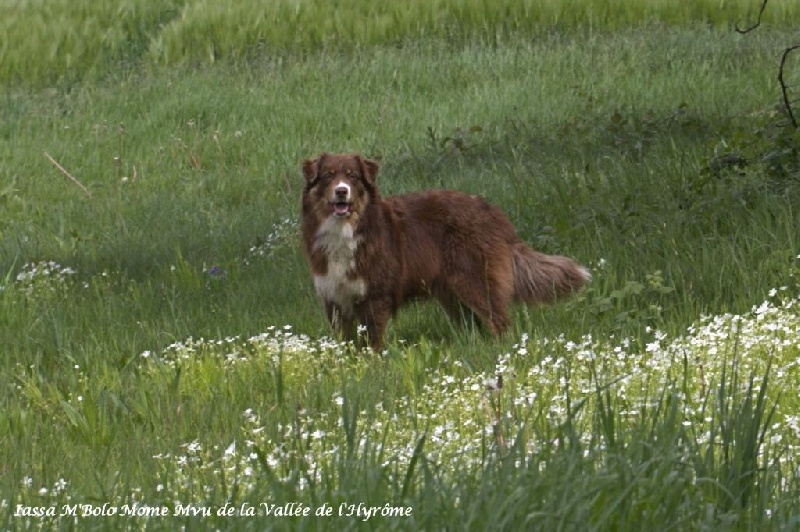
[(335, 238)]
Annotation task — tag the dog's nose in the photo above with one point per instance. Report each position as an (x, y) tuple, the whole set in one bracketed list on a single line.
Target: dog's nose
[(341, 192)]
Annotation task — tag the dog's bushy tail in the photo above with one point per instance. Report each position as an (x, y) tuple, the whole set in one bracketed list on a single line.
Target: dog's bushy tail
[(540, 278)]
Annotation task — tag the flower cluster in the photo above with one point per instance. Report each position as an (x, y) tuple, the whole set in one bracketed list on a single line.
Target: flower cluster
[(464, 413), (281, 234), (273, 345), (42, 278), (536, 386)]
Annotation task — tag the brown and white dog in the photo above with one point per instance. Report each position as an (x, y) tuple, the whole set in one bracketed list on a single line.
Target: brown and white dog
[(369, 255)]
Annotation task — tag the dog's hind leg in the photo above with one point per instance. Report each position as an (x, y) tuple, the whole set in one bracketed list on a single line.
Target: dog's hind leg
[(489, 300)]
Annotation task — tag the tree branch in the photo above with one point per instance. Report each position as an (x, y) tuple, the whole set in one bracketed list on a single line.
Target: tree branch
[(784, 89), (758, 22)]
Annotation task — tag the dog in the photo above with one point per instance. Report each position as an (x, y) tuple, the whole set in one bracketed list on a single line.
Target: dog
[(369, 255)]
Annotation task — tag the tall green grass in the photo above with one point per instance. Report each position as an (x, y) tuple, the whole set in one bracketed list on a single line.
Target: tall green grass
[(43, 42), (64, 41)]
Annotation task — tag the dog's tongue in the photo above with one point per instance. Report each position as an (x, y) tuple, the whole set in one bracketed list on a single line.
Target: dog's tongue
[(341, 208)]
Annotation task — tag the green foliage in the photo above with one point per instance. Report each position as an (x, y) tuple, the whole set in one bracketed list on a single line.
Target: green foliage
[(626, 304), (64, 41), (770, 144)]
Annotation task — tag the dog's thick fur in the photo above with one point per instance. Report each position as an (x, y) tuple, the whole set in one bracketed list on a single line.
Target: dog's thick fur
[(369, 255)]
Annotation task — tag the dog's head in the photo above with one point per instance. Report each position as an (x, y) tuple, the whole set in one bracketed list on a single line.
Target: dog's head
[(339, 185)]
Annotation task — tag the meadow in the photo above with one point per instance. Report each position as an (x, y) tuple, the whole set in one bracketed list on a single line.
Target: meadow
[(165, 362)]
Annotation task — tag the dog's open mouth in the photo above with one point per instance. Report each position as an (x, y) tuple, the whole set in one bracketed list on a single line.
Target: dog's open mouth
[(341, 208)]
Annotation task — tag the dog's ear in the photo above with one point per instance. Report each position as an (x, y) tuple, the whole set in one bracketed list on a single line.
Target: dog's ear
[(310, 169), (369, 168)]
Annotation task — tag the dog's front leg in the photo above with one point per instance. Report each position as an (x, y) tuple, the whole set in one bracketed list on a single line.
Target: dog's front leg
[(376, 316), (343, 325)]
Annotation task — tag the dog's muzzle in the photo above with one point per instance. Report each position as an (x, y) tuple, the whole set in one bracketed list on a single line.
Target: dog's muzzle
[(341, 201)]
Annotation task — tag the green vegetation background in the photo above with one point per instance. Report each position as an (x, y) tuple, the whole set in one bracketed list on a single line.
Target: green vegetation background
[(645, 139)]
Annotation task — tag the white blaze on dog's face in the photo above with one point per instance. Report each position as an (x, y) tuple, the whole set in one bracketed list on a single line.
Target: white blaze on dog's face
[(339, 185), (340, 198)]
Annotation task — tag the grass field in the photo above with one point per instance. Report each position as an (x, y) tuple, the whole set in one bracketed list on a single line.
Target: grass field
[(165, 361), (64, 41)]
